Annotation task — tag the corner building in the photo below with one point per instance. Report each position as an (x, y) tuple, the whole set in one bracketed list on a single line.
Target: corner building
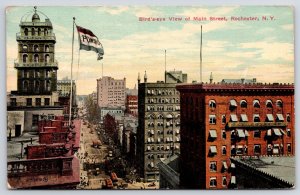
[(219, 121)]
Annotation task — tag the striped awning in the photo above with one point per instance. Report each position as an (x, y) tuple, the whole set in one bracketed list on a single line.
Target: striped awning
[(277, 132), (280, 117), (270, 117), (233, 118), (213, 133), (240, 133), (213, 149), (244, 117), (233, 103)]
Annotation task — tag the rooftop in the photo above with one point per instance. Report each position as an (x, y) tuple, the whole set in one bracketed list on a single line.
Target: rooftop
[(280, 167)]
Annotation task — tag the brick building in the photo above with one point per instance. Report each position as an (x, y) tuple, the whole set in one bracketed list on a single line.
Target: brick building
[(159, 125), (111, 92), (219, 121), (132, 104)]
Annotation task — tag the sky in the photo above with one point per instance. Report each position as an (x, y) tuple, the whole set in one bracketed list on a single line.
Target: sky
[(261, 49)]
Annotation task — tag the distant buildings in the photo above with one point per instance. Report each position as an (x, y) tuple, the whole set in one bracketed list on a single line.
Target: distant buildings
[(36, 67), (219, 121), (159, 124), (64, 89), (111, 92)]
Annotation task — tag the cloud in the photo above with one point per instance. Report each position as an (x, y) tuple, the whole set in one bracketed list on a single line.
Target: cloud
[(113, 10), (289, 27), (271, 51)]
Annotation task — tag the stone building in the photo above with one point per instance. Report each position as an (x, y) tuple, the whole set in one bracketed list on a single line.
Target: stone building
[(159, 125), (111, 92), (36, 74), (219, 121)]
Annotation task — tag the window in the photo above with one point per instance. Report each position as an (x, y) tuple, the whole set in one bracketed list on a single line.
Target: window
[(35, 48), (224, 150), (256, 104), (288, 132), (224, 181), (233, 150), (213, 150), (25, 48), (25, 86), (288, 118), (28, 101), (35, 119), (25, 58), (223, 134), (213, 182), (289, 148), (269, 104), (240, 150), (33, 31), (38, 101), (223, 119), (39, 31), (212, 103), (256, 118), (243, 104), (213, 166), (47, 58), (257, 149), (36, 58), (279, 103), (232, 134), (256, 133), (26, 31), (212, 119), (46, 48), (13, 101), (47, 101)]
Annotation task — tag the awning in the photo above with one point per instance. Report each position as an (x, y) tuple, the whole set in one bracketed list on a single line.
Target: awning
[(233, 118), (233, 103), (213, 149), (152, 164), (148, 108), (168, 139), (225, 165), (233, 180), (169, 116), (177, 131), (240, 146), (152, 139), (149, 140), (176, 146), (149, 92), (152, 91), (167, 124), (282, 131), (168, 147), (177, 139), (269, 132), (148, 148), (255, 102), (246, 133), (213, 133), (171, 139), (277, 132), (275, 151), (158, 140), (280, 117), (152, 132), (240, 133), (159, 92), (270, 117), (232, 165), (177, 107), (244, 117)]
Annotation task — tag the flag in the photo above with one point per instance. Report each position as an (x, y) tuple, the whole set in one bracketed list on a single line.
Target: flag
[(89, 42)]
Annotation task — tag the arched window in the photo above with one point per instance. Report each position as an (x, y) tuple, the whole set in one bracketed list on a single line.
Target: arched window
[(25, 58), (35, 48), (46, 31), (269, 104), (256, 104), (33, 31), (36, 58), (46, 48), (26, 31), (256, 118), (39, 31), (243, 104), (47, 58), (212, 103), (25, 86), (25, 48), (279, 103)]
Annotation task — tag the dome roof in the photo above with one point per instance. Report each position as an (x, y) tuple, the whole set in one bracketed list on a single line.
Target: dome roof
[(35, 17)]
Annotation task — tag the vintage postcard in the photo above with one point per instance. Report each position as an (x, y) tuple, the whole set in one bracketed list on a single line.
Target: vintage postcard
[(150, 97)]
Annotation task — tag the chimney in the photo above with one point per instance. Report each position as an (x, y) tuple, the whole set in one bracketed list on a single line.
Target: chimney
[(243, 80)]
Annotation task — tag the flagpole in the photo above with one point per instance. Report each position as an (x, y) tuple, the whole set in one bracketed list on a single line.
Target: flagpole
[(201, 57), (78, 63), (102, 69), (165, 65), (71, 93)]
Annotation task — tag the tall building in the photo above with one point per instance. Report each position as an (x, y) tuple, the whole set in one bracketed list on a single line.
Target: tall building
[(219, 121), (111, 92), (159, 125), (36, 75), (64, 89)]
